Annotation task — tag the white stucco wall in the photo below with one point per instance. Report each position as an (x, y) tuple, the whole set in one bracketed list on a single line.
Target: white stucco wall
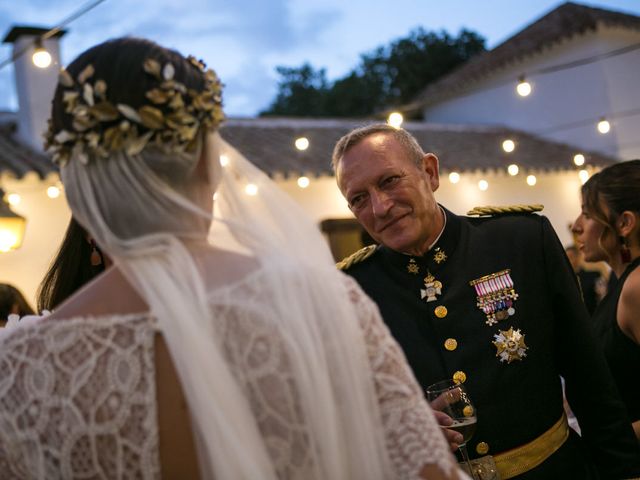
[(48, 218), (563, 98), (47, 221)]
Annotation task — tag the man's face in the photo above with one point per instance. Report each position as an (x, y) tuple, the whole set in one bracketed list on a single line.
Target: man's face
[(390, 195)]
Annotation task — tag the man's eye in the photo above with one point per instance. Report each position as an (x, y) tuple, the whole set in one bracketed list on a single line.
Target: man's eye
[(390, 180), (357, 201)]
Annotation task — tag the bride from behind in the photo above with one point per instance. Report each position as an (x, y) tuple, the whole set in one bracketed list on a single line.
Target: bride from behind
[(222, 343)]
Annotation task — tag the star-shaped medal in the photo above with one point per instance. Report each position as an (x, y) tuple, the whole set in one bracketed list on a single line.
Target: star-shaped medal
[(510, 345), (439, 256), (413, 267)]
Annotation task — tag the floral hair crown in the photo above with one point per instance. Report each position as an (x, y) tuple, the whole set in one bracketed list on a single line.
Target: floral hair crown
[(171, 120)]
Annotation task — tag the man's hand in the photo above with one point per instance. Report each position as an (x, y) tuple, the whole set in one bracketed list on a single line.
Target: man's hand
[(454, 438)]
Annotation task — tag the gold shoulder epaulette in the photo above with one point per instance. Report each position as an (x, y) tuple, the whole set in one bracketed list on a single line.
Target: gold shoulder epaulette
[(492, 210), (357, 257)]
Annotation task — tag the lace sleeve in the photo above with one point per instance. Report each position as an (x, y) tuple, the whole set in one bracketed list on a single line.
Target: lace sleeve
[(413, 436), (77, 399)]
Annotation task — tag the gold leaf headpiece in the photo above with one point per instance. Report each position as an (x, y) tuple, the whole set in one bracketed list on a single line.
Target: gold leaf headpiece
[(171, 120)]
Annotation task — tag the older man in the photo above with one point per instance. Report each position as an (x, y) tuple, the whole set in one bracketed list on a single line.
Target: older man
[(490, 302)]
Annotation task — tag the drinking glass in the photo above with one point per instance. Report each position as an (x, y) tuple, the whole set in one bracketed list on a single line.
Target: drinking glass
[(452, 398)]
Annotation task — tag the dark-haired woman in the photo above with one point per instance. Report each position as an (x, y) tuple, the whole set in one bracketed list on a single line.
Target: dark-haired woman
[(608, 229), (77, 262)]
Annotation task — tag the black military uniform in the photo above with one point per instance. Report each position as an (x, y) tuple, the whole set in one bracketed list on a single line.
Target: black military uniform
[(534, 328)]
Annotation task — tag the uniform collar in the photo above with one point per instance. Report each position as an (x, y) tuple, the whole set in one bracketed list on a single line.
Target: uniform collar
[(445, 245)]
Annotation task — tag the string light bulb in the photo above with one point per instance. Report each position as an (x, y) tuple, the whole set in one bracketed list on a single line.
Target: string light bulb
[(578, 159), (14, 199), (302, 143), (513, 169), (224, 160), (483, 185), (251, 189), (508, 145), (531, 180), (395, 119), (454, 177), (303, 182), (53, 191), (583, 175), (604, 126), (523, 88), (41, 58)]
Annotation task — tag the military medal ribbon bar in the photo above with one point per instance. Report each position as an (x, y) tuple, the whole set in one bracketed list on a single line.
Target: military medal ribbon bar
[(495, 295)]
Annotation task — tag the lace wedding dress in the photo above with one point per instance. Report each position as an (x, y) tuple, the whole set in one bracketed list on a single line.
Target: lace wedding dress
[(78, 396)]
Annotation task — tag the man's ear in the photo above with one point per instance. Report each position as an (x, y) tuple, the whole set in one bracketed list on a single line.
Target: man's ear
[(431, 167)]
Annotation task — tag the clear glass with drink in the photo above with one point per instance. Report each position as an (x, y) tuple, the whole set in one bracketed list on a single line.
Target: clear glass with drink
[(452, 398)]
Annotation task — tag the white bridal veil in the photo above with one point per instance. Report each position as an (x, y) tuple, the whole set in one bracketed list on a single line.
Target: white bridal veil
[(147, 214)]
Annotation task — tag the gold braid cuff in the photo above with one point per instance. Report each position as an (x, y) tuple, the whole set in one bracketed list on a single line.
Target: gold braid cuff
[(497, 210), (357, 257)]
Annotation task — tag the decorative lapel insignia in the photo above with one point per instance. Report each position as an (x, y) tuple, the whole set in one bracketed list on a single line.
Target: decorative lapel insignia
[(432, 288), (495, 296), (510, 345), (413, 267), (439, 256)]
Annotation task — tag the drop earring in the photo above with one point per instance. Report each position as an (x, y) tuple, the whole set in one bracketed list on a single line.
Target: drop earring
[(625, 253), (96, 256)]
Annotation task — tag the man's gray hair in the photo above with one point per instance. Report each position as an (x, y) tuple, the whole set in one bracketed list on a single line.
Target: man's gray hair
[(354, 137)]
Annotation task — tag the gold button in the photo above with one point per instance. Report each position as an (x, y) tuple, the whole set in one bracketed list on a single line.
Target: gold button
[(451, 344), (482, 448), (467, 411), (441, 311), (459, 377)]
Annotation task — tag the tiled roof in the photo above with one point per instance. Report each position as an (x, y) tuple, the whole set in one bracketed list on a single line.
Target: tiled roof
[(269, 144), (566, 21), (16, 157)]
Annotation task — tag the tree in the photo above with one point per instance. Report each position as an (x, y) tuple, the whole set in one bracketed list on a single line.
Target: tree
[(388, 76), (301, 92)]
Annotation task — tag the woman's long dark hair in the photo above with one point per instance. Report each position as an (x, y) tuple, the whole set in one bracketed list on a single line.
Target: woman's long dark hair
[(71, 268)]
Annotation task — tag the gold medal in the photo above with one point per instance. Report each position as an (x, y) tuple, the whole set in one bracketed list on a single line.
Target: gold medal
[(439, 256), (413, 267), (510, 345)]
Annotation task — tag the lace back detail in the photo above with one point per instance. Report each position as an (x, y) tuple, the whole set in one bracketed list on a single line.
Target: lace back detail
[(78, 400)]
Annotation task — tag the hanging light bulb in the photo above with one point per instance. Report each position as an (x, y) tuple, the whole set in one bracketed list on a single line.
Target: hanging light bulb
[(251, 189), (12, 226), (508, 146), (454, 177), (604, 126), (483, 185), (302, 143), (395, 119), (53, 192), (303, 182), (531, 180), (13, 199), (513, 169), (583, 175), (578, 159), (41, 58), (523, 88)]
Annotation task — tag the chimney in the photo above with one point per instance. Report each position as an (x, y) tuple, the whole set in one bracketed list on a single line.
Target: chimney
[(34, 85)]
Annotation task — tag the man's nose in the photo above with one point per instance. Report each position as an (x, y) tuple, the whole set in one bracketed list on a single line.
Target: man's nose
[(381, 203)]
